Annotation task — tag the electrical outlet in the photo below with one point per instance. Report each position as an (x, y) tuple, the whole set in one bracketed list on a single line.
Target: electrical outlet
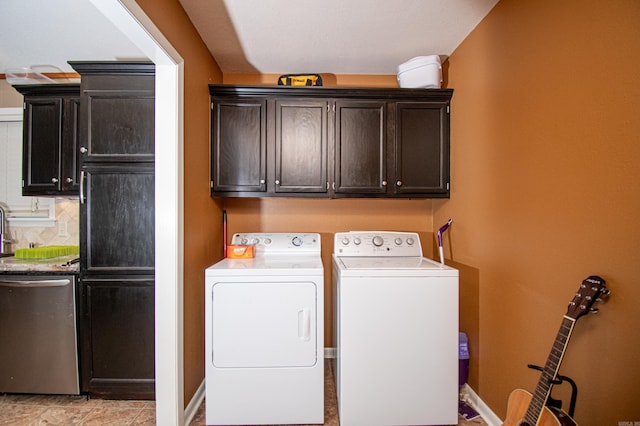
[(62, 229)]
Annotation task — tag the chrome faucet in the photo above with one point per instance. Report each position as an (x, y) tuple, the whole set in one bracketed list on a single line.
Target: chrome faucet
[(3, 229)]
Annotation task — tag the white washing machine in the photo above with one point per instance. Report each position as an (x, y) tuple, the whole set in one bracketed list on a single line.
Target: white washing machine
[(264, 333), (395, 331)]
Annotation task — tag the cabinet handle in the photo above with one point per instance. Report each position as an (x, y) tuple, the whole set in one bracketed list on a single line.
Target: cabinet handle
[(34, 283), (68, 180), (384, 183), (262, 181), (277, 182), (83, 149), (82, 187), (54, 180), (399, 183)]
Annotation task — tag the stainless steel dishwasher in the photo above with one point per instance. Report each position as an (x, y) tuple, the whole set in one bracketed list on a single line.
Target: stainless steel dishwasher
[(38, 344)]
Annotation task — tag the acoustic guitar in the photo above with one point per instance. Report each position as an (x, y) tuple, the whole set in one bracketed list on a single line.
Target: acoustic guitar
[(526, 409)]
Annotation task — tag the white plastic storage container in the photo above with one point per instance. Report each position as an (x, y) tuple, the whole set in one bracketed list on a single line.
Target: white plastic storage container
[(421, 72)]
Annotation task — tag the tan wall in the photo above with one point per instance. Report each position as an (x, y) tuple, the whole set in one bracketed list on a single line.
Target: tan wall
[(201, 212), (9, 97), (545, 150), (346, 80)]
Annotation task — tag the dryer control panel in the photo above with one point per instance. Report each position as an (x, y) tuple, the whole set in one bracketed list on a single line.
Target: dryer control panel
[(377, 243), (280, 242)]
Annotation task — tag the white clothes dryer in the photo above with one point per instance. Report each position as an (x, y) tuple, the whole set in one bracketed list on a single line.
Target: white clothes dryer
[(264, 333), (395, 332)]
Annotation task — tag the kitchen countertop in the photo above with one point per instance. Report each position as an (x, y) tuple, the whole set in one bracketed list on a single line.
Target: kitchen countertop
[(55, 265)]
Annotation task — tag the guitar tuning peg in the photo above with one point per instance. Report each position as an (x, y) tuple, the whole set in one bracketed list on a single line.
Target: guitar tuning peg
[(603, 295), (594, 310)]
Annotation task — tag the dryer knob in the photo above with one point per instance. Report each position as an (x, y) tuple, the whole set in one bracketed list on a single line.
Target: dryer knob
[(398, 241), (357, 241), (378, 241), (410, 241), (296, 241), (267, 241), (244, 241), (345, 241)]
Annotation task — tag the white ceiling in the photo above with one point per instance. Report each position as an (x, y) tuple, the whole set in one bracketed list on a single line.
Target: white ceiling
[(331, 36), (267, 36), (46, 34)]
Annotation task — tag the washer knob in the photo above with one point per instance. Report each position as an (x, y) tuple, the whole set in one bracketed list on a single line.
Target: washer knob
[(410, 241), (296, 241), (267, 241), (255, 241), (244, 241), (345, 241), (378, 241), (356, 241), (398, 241)]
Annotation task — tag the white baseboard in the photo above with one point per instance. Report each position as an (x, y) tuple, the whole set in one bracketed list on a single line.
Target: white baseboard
[(483, 409), (194, 404)]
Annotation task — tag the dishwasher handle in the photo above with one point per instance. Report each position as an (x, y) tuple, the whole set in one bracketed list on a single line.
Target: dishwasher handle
[(34, 283)]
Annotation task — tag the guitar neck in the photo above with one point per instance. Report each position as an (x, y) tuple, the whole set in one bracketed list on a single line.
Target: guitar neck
[(543, 389)]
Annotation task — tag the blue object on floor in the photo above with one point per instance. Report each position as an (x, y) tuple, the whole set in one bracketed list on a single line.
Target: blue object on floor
[(467, 411), (463, 362)]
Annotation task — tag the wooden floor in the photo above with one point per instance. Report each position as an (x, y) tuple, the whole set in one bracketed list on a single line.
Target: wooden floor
[(28, 410)]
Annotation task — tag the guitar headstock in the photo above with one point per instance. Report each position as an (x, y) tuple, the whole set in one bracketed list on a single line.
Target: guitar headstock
[(591, 290)]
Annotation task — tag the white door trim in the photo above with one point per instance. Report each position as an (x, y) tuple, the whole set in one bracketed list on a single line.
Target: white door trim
[(169, 242)]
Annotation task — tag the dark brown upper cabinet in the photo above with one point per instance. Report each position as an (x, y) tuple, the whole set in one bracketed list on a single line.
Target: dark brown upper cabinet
[(239, 145), (421, 148), (118, 122), (360, 147), (329, 142), (300, 146), (50, 135)]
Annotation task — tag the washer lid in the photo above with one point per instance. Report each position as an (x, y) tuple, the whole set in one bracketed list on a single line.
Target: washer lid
[(389, 263), (396, 266)]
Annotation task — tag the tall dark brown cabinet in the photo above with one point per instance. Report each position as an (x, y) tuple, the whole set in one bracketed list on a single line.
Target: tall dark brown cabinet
[(117, 229)]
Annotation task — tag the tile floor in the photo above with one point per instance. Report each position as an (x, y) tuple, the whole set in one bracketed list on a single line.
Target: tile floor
[(32, 410)]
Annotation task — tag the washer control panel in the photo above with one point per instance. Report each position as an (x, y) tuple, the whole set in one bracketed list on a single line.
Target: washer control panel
[(275, 243), (377, 243)]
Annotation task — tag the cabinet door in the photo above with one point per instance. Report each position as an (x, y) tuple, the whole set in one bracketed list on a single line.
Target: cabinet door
[(70, 166), (120, 125), (117, 221), (422, 149), (41, 149), (360, 147), (118, 350), (238, 145), (301, 146)]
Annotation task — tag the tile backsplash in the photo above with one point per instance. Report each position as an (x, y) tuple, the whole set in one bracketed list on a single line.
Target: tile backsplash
[(65, 232)]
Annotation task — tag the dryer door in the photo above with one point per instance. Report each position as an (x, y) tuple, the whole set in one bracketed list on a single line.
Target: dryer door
[(264, 324)]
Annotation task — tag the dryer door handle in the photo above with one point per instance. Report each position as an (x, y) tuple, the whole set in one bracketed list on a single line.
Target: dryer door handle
[(304, 324)]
